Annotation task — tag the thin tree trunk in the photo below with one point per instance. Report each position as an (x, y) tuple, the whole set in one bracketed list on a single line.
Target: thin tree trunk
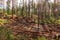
[(3, 8), (8, 5), (38, 12), (28, 8), (55, 9), (12, 8), (32, 8)]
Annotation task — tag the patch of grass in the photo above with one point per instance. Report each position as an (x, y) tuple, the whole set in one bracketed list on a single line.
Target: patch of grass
[(2, 21), (6, 34), (57, 21), (42, 38)]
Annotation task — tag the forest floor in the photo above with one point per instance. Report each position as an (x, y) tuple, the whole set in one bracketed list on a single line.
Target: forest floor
[(28, 27), (25, 24)]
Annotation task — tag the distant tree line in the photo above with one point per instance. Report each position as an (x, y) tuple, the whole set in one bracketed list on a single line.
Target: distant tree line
[(41, 9)]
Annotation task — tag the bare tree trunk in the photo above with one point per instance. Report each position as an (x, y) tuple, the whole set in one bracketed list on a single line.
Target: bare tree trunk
[(28, 8), (12, 8), (25, 6), (55, 8), (23, 9), (31, 8), (38, 13), (8, 6), (3, 8)]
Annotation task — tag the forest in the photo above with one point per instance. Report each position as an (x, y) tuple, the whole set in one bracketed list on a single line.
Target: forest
[(29, 19)]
